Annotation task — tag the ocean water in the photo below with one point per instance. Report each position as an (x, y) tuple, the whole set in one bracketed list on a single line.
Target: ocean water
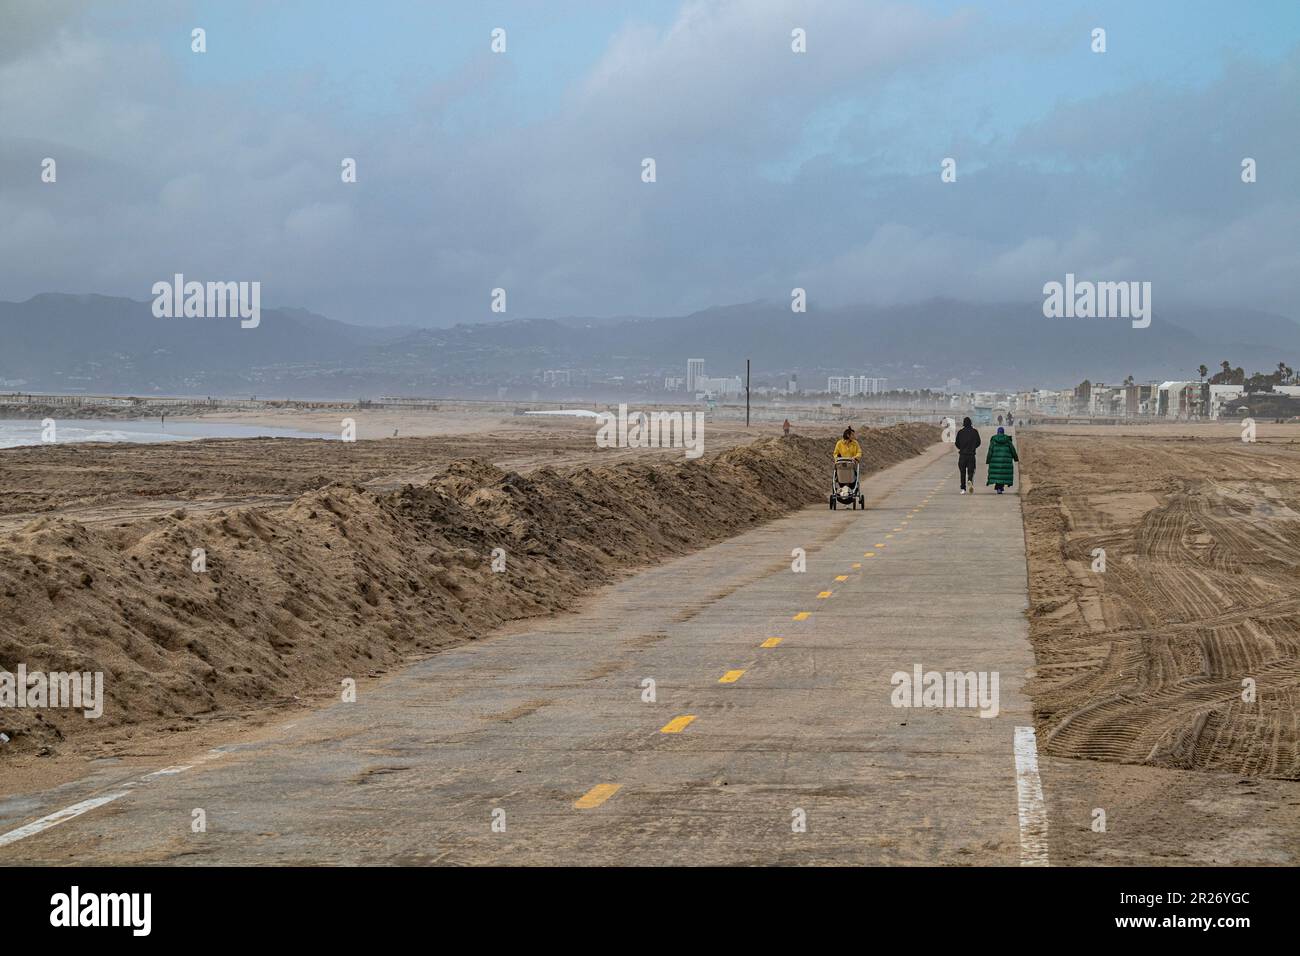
[(17, 432)]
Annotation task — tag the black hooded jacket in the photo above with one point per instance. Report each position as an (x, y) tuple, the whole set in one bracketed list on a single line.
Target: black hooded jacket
[(968, 439)]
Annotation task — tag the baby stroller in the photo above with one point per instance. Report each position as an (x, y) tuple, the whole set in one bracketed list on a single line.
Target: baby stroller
[(844, 485)]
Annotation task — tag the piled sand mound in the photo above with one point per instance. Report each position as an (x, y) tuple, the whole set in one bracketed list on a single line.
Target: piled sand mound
[(344, 580)]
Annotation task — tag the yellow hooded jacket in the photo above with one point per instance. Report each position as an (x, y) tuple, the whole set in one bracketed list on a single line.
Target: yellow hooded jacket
[(848, 449)]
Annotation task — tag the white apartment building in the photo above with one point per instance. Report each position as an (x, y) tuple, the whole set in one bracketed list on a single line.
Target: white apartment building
[(1172, 399), (1053, 401), (851, 385), (694, 371), (719, 387), (1222, 394)]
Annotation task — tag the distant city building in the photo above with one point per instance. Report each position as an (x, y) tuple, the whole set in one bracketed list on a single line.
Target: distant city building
[(674, 383), (850, 385), (557, 376), (1175, 400), (1082, 403), (694, 372), (719, 387), (1053, 401)]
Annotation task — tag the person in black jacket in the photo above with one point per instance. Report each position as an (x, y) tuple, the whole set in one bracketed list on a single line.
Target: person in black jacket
[(968, 439)]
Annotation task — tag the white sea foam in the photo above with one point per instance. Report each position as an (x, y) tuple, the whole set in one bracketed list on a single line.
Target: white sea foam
[(15, 433)]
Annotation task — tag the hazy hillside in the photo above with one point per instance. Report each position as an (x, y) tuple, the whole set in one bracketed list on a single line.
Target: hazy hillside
[(98, 343), (102, 343), (922, 344)]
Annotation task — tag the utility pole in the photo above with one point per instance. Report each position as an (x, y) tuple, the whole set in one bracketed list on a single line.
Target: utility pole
[(746, 393)]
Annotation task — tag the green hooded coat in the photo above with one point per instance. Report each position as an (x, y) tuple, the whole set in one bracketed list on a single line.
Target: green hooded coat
[(1002, 452)]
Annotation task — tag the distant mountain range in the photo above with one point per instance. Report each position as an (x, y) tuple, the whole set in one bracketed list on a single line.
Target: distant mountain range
[(93, 343)]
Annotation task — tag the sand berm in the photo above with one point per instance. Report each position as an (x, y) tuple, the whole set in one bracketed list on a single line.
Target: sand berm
[(343, 581)]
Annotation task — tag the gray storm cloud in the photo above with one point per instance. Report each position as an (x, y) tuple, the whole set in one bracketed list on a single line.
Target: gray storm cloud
[(159, 175)]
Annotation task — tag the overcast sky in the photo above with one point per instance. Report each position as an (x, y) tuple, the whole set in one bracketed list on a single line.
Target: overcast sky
[(775, 169)]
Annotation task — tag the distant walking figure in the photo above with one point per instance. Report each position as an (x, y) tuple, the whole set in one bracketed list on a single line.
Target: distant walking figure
[(785, 429), (968, 439), (1000, 459), (999, 419), (1010, 421)]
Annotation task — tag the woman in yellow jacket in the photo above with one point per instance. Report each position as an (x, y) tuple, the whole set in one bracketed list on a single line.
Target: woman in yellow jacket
[(848, 447)]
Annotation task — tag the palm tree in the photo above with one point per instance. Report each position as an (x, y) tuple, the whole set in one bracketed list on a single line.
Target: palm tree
[(1203, 372)]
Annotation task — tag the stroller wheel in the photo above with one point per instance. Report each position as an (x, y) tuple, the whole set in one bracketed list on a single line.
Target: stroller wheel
[(862, 502), (832, 502)]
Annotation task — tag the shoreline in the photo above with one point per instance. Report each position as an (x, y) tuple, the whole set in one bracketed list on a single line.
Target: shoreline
[(27, 433)]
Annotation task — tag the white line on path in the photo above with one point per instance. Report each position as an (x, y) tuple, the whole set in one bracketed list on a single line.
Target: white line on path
[(54, 819), (168, 771), (1029, 793), (77, 809)]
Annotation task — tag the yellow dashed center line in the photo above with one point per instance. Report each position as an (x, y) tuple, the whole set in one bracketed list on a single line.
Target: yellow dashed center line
[(677, 724), (602, 792), (596, 795)]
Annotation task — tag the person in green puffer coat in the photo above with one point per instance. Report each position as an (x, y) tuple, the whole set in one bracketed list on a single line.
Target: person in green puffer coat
[(1000, 461)]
